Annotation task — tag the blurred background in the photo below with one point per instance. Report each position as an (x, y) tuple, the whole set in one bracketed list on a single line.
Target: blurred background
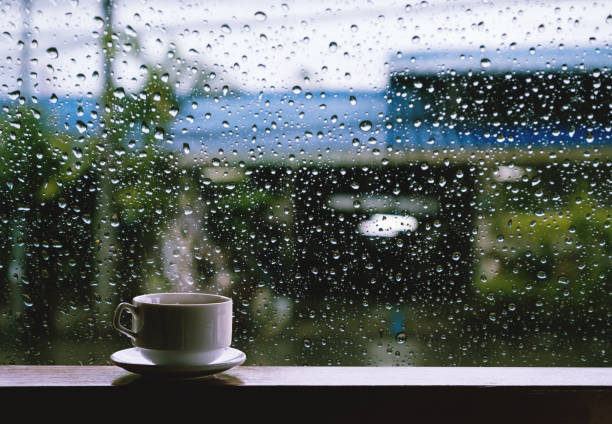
[(373, 183)]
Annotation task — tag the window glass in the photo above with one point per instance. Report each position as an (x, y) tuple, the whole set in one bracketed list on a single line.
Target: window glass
[(373, 183)]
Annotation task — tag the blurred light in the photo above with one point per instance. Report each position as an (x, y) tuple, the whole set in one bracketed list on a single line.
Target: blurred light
[(508, 173), (384, 225)]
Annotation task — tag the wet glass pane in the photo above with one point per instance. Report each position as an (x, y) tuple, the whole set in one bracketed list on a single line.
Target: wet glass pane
[(382, 183)]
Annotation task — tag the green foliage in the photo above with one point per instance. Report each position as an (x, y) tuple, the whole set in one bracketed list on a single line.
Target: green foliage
[(146, 188), (557, 256), (32, 157), (143, 115)]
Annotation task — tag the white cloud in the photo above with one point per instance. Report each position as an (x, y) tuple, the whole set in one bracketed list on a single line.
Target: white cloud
[(292, 43)]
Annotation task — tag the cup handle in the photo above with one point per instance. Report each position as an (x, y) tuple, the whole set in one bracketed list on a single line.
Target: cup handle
[(120, 308)]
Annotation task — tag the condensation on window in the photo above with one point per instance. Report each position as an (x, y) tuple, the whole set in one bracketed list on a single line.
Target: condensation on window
[(372, 183)]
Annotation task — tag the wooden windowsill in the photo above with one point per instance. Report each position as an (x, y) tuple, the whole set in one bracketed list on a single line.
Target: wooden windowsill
[(332, 394), (109, 376)]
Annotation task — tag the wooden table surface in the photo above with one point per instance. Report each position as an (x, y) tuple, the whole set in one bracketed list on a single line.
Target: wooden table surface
[(317, 394), (100, 376)]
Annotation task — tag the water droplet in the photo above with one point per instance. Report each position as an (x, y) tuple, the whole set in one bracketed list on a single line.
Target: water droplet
[(99, 22), (416, 39), (115, 221), (226, 29), (27, 300), (365, 126), (81, 127), (485, 63), (563, 280), (400, 337), (52, 53), (159, 133), (186, 148), (333, 46), (354, 28), (260, 16), (296, 89), (130, 31), (353, 100), (119, 93), (456, 256), (542, 275)]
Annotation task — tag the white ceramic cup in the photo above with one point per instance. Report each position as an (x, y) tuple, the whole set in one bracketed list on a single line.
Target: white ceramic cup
[(179, 328)]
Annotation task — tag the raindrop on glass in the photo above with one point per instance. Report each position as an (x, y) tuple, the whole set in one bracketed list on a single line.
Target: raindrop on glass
[(365, 126), (52, 53), (119, 93)]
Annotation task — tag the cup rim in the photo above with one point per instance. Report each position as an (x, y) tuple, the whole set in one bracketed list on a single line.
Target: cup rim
[(219, 299)]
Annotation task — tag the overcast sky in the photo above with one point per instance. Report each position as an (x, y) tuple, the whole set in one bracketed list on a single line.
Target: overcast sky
[(257, 45)]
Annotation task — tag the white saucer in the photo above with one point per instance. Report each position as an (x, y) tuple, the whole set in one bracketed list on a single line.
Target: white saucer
[(133, 360)]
